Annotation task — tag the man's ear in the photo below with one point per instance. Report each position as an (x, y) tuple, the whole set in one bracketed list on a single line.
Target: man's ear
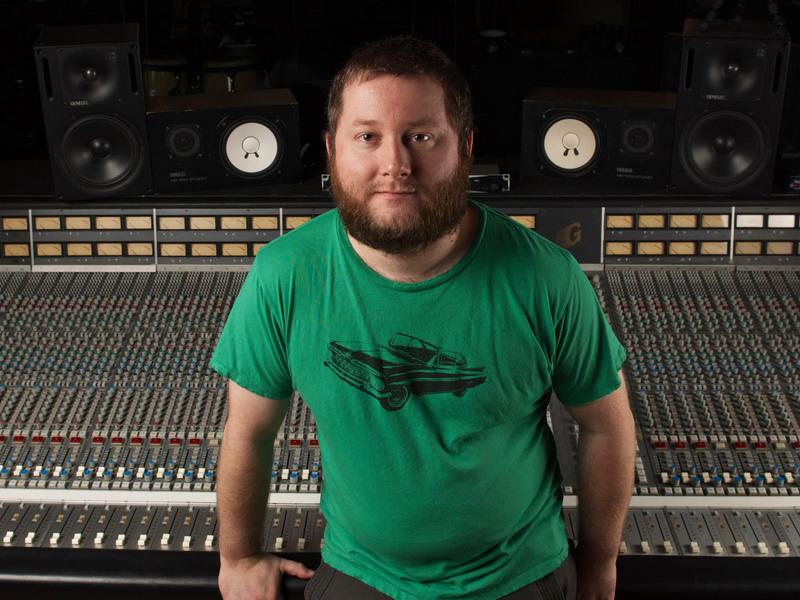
[(470, 139), (328, 143)]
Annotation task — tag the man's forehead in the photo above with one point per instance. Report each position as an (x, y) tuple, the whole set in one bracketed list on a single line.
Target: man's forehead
[(364, 100)]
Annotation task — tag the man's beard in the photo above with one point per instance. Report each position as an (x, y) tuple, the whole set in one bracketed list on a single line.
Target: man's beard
[(437, 213)]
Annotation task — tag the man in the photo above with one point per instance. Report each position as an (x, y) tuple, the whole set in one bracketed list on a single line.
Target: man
[(426, 334)]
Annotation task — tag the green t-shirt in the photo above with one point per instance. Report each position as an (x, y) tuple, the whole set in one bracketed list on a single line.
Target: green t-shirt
[(441, 477)]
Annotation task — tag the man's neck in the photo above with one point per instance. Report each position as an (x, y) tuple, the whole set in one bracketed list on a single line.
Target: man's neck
[(427, 263)]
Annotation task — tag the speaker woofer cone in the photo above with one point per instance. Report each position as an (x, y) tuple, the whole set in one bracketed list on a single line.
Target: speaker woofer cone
[(724, 150), (101, 153), (251, 147), (569, 144)]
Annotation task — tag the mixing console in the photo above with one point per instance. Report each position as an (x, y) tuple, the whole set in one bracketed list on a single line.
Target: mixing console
[(111, 419), (713, 373)]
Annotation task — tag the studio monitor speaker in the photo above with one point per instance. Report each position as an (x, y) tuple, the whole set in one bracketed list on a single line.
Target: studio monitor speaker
[(730, 96), (90, 84), (580, 137), (200, 142)]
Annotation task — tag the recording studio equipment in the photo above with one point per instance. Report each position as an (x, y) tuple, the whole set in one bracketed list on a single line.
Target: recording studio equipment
[(200, 142), (730, 96), (111, 419), (90, 83), (581, 136)]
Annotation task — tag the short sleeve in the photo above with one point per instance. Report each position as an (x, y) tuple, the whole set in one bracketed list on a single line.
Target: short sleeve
[(252, 350), (588, 355)]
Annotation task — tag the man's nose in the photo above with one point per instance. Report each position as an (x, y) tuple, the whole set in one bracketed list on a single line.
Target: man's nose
[(395, 158)]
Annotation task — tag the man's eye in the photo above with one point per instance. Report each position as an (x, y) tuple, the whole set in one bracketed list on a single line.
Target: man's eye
[(366, 137), (421, 137)]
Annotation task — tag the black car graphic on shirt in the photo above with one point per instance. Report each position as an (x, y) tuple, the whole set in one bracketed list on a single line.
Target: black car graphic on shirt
[(406, 365)]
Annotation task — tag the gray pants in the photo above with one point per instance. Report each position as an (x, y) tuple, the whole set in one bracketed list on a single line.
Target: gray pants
[(330, 584)]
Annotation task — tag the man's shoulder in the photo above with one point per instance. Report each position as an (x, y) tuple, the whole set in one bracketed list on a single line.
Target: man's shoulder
[(299, 247), (306, 238), (519, 241)]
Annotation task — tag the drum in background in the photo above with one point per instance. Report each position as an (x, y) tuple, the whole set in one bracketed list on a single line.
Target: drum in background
[(165, 75), (228, 74)]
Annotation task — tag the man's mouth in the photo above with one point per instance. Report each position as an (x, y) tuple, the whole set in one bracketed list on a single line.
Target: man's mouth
[(394, 193)]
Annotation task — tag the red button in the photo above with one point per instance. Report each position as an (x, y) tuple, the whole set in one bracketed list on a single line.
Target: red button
[(659, 445), (98, 439), (37, 439), (294, 442), (155, 441), (174, 441), (18, 438), (699, 444), (680, 445), (137, 441), (760, 445), (313, 442), (796, 444), (75, 439), (56, 439), (739, 445), (194, 441), (117, 440)]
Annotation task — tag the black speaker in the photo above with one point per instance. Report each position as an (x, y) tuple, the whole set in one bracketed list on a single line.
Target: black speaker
[(730, 96), (581, 136), (90, 83), (212, 141)]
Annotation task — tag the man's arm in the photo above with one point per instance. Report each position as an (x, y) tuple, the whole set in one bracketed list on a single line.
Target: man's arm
[(606, 456), (242, 470), (242, 491)]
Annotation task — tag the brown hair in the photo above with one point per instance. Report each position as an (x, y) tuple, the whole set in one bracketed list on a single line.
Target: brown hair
[(409, 56)]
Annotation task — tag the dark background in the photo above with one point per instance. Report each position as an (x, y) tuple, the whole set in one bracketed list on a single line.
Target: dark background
[(609, 44)]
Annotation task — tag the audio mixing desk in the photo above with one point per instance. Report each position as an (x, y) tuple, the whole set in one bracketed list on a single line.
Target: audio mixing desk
[(111, 419)]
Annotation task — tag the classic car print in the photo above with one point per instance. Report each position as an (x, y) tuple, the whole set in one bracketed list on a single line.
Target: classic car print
[(403, 367)]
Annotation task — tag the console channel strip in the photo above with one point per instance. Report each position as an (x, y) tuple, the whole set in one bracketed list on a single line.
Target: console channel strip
[(111, 419)]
